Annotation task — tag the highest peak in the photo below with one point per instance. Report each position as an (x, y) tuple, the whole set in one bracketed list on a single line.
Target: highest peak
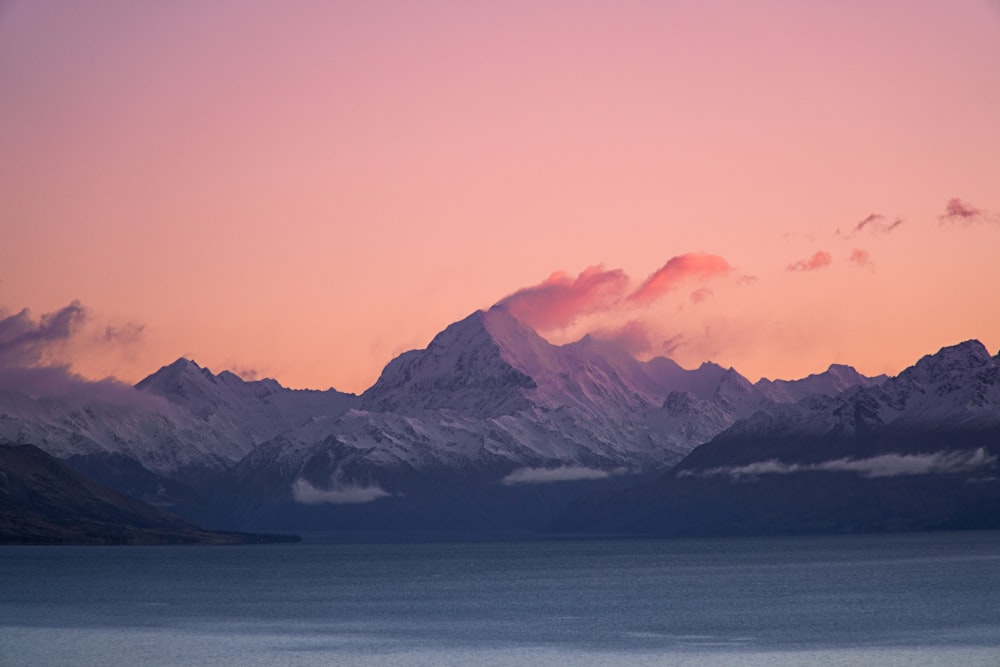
[(496, 324), (181, 364), (182, 368)]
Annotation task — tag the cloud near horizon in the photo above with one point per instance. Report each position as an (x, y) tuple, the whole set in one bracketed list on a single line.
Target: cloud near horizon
[(342, 494), (820, 260), (885, 465), (26, 342), (31, 364), (565, 473)]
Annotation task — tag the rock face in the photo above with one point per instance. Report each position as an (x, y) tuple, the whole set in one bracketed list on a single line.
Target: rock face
[(919, 451), (489, 427), (44, 501)]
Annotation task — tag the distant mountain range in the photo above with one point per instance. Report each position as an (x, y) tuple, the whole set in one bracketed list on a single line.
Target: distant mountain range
[(919, 451), (490, 428)]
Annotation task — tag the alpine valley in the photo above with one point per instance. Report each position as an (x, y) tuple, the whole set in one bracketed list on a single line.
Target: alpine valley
[(491, 429)]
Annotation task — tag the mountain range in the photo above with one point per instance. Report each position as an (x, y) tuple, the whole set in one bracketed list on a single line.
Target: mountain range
[(918, 451), (492, 428)]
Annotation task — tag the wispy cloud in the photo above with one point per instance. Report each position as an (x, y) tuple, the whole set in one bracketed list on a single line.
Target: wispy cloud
[(821, 259), (342, 494), (30, 358), (634, 336), (958, 211), (550, 475), (875, 223), (885, 465), (25, 341), (560, 299), (676, 270), (860, 257), (247, 373), (128, 333), (701, 294)]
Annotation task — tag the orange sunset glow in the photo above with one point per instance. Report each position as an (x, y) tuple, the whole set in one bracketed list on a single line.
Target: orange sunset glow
[(305, 190)]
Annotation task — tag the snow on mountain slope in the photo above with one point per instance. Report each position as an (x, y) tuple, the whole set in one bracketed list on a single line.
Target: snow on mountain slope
[(463, 369), (920, 451), (488, 393), (181, 417), (233, 413), (834, 380), (958, 387)]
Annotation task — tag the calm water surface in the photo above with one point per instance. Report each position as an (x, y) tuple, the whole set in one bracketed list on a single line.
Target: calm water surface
[(900, 599)]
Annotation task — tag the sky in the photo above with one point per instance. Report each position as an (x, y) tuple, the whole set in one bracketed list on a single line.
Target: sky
[(305, 190)]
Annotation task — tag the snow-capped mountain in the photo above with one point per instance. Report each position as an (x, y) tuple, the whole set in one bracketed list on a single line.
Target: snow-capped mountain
[(834, 380), (918, 451), (183, 417), (958, 387), (488, 404)]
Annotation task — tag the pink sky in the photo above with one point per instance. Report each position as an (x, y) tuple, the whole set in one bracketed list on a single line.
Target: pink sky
[(306, 190)]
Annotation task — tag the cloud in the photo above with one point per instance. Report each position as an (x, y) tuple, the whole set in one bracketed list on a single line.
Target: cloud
[(860, 257), (959, 211), (701, 294), (29, 365), (128, 333), (819, 260), (560, 474), (672, 344), (634, 337), (246, 373), (342, 494), (61, 383), (885, 465), (677, 269), (26, 342), (876, 223), (559, 300)]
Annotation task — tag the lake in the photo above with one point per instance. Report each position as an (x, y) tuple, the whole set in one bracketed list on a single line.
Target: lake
[(906, 599)]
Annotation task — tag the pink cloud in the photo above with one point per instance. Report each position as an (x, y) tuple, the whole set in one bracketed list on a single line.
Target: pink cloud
[(556, 302), (677, 269), (873, 223), (960, 211), (701, 294), (876, 222), (820, 260), (633, 336), (672, 344), (860, 257)]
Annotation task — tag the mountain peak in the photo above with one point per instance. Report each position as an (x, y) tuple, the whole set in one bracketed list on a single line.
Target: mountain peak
[(174, 373), (468, 366), (965, 356)]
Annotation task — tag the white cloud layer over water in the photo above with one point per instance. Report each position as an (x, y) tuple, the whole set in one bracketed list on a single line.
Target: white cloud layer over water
[(341, 494), (560, 474), (884, 465)]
